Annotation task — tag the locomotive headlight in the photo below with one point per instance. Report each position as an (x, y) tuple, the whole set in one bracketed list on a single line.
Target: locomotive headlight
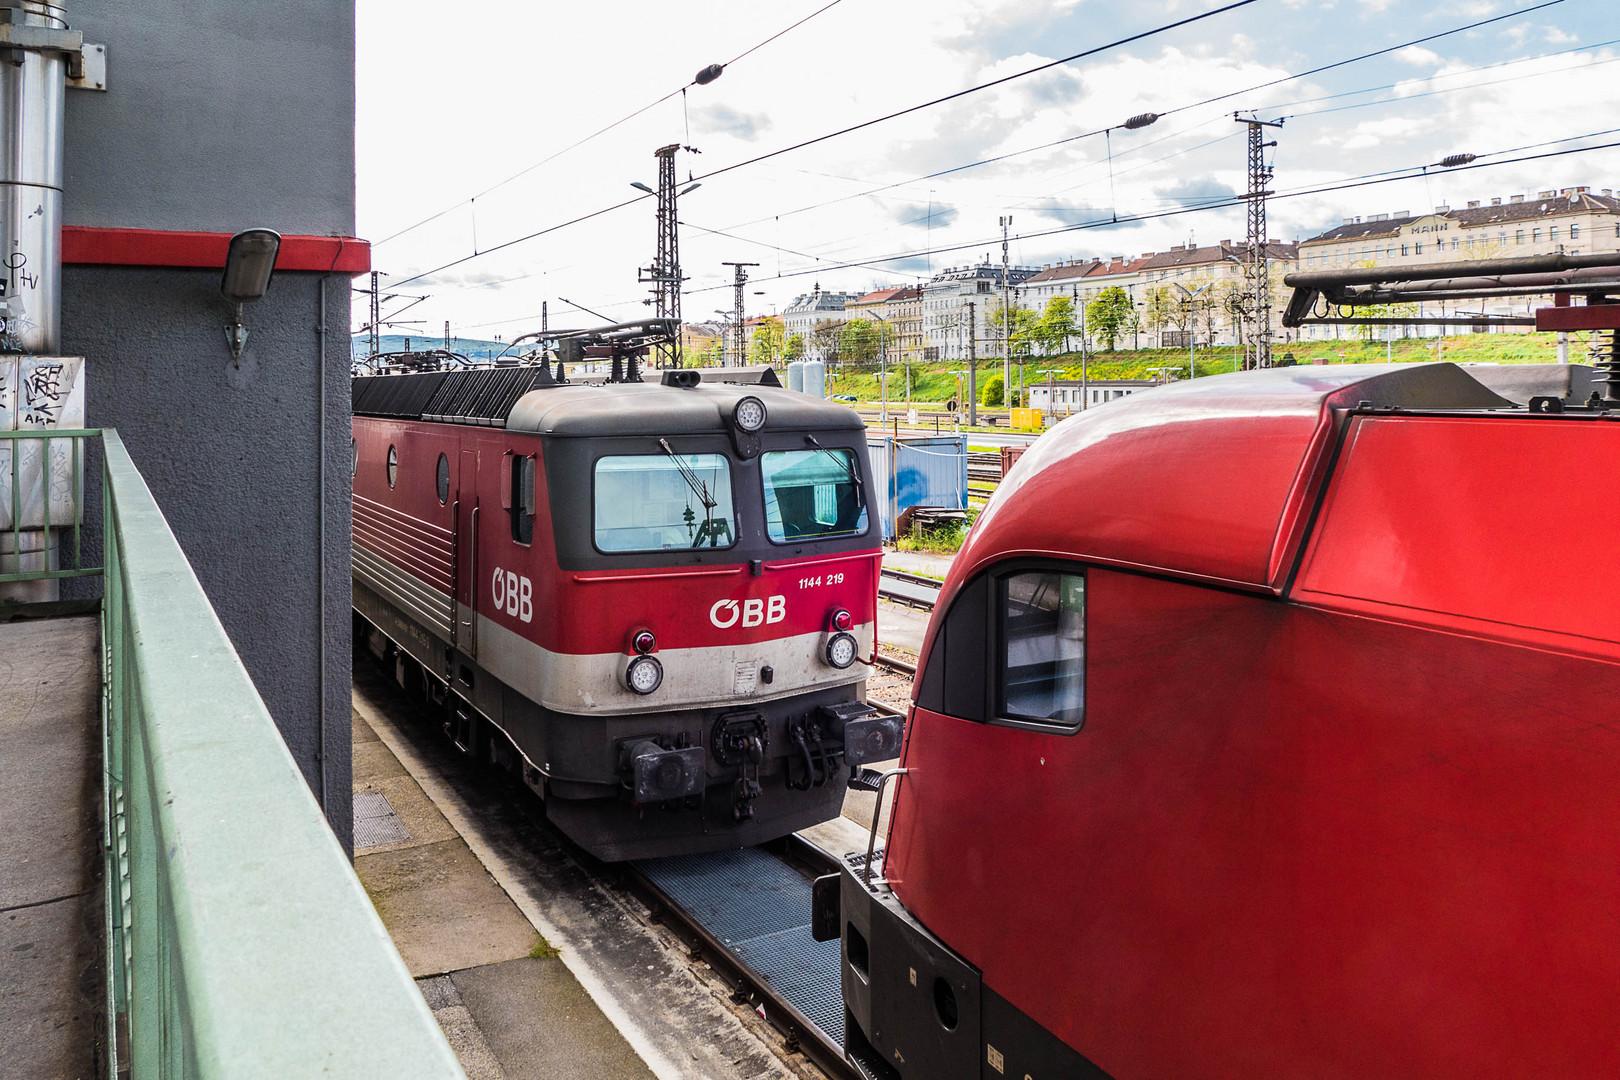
[(841, 650), (749, 414), (644, 675)]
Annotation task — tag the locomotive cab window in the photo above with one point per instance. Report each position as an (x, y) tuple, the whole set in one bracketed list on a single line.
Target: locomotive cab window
[(1011, 650), (523, 499), (810, 494), (393, 466), (663, 502), (1043, 648), (442, 479)]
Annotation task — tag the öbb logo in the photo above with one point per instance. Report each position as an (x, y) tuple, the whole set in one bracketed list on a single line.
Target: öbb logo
[(725, 613), (512, 594)]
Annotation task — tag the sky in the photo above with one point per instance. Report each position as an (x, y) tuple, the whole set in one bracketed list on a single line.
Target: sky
[(466, 114)]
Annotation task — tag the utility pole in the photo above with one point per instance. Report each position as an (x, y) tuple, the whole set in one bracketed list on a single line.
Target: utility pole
[(665, 272), (1258, 351), (376, 315), (544, 318), (739, 353), (1006, 318), (973, 369), (447, 335)]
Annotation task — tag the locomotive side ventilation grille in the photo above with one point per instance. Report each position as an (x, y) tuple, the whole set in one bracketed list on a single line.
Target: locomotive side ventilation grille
[(483, 396)]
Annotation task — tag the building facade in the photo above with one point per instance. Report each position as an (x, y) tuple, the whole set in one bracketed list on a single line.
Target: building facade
[(810, 309), (957, 309), (1572, 221), (1064, 397)]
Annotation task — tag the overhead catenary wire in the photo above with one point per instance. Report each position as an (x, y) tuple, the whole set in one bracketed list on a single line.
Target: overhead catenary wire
[(1167, 112), (1164, 28), (1230, 202), (1272, 82), (576, 144), (1363, 180)]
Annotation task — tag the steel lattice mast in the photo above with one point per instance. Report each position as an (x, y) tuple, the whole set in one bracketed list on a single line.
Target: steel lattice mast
[(739, 346), (665, 272), (1257, 287)]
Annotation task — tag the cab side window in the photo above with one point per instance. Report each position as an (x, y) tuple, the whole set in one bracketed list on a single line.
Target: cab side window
[(1043, 649), (1011, 650), (523, 499)]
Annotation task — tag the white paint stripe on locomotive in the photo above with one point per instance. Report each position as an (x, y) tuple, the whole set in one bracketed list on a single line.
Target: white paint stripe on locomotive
[(592, 683), (706, 676), (404, 590)]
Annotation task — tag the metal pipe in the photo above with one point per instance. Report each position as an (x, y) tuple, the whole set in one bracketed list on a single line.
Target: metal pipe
[(33, 94), (1533, 264), (320, 556)]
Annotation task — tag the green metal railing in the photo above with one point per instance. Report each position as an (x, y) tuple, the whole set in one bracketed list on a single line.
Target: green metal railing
[(239, 941), (11, 445)]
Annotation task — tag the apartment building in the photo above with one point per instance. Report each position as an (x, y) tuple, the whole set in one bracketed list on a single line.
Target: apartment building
[(952, 295), (1573, 220), (809, 309)]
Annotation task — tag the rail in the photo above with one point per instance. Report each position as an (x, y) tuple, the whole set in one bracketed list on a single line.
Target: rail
[(239, 941)]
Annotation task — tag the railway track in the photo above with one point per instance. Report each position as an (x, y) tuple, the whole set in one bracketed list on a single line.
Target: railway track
[(912, 590), (747, 915)]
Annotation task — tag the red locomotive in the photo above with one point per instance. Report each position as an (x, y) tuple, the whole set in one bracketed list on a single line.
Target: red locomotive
[(651, 600), (1266, 726)]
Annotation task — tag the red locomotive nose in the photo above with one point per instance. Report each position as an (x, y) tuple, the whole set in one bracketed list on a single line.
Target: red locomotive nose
[(643, 642), (842, 619)]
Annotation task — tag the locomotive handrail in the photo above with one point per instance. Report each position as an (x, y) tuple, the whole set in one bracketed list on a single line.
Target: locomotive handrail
[(239, 941), (877, 812)]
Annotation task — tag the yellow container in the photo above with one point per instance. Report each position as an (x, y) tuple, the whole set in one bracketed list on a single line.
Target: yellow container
[(1026, 419)]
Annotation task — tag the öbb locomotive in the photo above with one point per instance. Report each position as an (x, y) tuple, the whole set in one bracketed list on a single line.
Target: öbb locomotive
[(1266, 726), (653, 600)]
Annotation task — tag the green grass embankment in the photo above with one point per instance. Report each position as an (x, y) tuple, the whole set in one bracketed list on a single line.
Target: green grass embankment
[(934, 382)]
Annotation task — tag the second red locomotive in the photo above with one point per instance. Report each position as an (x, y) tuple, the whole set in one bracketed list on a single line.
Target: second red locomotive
[(1265, 727), (654, 601)]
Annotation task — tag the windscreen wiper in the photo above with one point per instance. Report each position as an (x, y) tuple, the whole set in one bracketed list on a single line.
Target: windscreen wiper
[(843, 460), (701, 490)]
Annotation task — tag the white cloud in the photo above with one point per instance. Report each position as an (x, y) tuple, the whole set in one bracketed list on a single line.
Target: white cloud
[(1418, 56), (426, 138)]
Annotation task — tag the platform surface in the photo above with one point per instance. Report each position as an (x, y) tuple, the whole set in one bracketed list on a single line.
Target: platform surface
[(52, 985)]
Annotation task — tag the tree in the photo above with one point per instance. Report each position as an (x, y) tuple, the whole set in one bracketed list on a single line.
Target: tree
[(1023, 327), (709, 355), (1056, 326), (768, 341), (1111, 315), (1160, 309), (793, 349), (858, 342), (993, 392), (825, 339)]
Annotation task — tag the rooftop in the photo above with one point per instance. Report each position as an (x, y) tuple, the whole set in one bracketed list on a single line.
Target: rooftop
[(1474, 215)]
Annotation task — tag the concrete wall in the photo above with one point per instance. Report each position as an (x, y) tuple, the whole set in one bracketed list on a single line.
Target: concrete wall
[(222, 115)]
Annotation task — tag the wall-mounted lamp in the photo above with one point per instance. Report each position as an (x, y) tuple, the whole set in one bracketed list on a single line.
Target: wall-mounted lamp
[(248, 266)]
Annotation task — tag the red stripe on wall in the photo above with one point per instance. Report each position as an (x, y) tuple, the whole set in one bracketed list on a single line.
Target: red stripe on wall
[(85, 246)]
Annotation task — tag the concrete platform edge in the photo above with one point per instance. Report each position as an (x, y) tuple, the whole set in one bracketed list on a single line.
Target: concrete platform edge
[(454, 810)]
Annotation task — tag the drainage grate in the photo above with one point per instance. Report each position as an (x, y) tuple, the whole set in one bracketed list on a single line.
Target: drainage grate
[(803, 970), (759, 907), (375, 821)]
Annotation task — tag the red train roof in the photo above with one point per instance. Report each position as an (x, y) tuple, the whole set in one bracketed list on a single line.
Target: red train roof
[(1210, 479)]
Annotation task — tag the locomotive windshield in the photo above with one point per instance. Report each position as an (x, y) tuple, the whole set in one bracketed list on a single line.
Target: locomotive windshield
[(661, 502), (812, 493)]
